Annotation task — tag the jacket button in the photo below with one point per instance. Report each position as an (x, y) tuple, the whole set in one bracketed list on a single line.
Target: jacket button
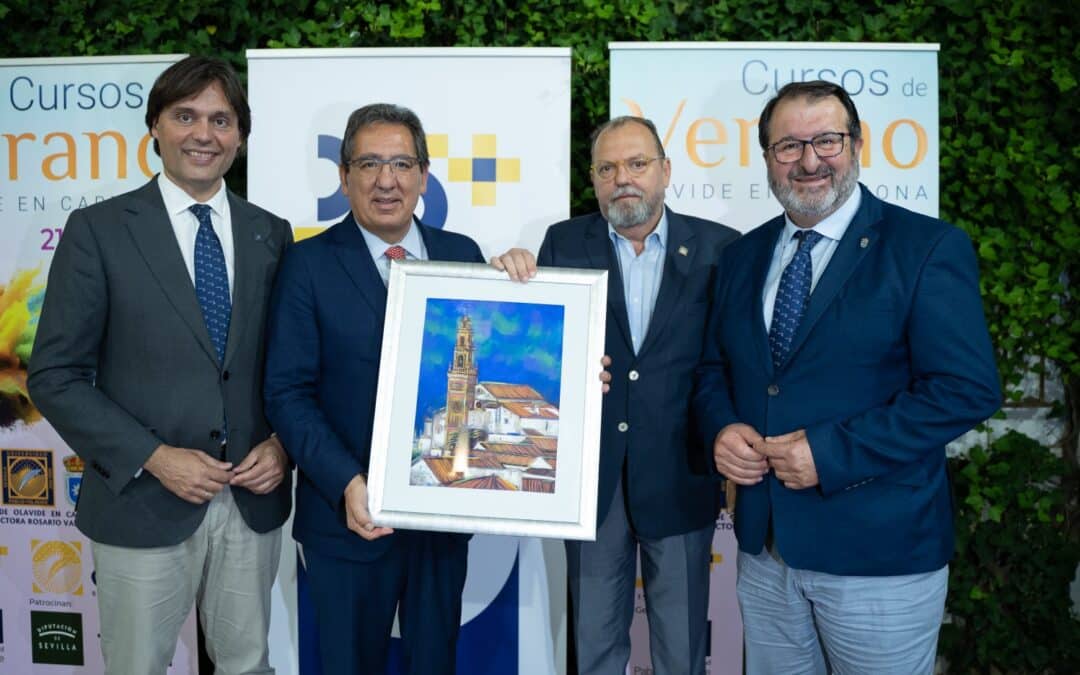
[(214, 434), (773, 390), (633, 375), (225, 375), (623, 426)]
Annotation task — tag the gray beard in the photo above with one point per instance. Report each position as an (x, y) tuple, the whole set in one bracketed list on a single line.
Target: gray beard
[(821, 205), (623, 216)]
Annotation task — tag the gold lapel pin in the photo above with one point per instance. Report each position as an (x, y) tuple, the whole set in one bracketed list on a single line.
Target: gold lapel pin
[(683, 250), (864, 242)]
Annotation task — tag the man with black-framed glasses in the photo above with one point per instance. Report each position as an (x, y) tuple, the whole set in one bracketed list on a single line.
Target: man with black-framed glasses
[(655, 495), (846, 346), (324, 338)]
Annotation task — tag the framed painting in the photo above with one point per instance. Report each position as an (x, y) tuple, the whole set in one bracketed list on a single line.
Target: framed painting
[(487, 417)]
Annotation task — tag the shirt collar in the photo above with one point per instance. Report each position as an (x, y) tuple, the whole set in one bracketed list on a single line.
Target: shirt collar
[(411, 242), (658, 236), (835, 224), (177, 201)]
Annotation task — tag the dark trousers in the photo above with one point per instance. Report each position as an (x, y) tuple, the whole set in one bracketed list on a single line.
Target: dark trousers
[(421, 577)]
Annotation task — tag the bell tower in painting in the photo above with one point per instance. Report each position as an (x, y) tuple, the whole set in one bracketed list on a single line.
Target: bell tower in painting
[(461, 379)]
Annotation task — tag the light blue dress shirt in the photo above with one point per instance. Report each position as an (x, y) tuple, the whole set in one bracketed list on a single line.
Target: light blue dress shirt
[(831, 229), (641, 275)]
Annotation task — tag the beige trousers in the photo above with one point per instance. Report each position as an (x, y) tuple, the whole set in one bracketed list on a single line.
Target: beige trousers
[(145, 594)]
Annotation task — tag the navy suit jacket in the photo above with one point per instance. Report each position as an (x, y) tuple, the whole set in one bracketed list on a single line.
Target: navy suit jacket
[(891, 361), (666, 484), (324, 340)]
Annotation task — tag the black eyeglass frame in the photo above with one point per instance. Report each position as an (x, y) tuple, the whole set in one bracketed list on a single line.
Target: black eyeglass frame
[(811, 142)]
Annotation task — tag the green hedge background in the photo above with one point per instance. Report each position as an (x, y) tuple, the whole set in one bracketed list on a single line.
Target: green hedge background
[(1010, 155)]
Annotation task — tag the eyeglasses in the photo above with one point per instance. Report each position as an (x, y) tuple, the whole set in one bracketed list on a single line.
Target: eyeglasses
[(825, 145), (372, 166), (636, 166)]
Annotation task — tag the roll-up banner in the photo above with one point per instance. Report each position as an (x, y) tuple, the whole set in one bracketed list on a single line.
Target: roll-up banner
[(73, 134), (705, 99), (498, 131)]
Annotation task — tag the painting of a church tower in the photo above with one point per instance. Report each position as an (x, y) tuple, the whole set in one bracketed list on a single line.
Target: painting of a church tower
[(461, 378), (488, 404)]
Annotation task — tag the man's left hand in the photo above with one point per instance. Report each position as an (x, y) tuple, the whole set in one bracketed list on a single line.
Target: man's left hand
[(790, 457), (263, 469)]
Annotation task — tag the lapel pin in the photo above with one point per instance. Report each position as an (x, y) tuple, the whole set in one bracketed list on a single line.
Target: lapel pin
[(864, 242), (683, 250)]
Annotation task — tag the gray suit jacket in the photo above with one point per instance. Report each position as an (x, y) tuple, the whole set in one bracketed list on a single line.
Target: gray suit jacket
[(123, 362)]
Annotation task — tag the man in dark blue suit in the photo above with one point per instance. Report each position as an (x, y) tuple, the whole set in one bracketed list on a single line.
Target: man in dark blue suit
[(655, 494), (324, 341), (847, 345)]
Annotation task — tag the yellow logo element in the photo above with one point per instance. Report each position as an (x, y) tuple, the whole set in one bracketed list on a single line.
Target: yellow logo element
[(28, 477), (301, 233), (74, 464), (57, 566), (715, 559), (484, 169), (20, 305)]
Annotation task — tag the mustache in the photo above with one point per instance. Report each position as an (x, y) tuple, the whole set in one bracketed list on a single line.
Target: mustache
[(823, 172), (627, 191)]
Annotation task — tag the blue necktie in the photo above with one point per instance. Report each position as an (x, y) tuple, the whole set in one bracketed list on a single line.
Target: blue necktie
[(212, 281), (792, 297)]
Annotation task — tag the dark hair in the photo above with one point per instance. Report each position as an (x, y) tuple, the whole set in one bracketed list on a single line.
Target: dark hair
[(384, 113), (616, 122), (189, 77), (813, 92)]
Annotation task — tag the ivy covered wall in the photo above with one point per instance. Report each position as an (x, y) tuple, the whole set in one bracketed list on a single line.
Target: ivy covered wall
[(1009, 161)]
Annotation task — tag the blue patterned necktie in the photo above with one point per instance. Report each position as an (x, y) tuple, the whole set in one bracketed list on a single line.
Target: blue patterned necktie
[(212, 281), (792, 297)]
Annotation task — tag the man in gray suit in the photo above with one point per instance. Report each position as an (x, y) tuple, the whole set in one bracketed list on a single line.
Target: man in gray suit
[(148, 362)]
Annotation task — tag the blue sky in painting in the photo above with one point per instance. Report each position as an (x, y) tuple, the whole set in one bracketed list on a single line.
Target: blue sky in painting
[(515, 342)]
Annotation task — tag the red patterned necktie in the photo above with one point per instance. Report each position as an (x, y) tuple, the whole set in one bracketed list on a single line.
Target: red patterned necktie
[(395, 253)]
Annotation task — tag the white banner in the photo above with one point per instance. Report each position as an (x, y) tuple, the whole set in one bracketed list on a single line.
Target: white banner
[(498, 130), (74, 134), (705, 99)]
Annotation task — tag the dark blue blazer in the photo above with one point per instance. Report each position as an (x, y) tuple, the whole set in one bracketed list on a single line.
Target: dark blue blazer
[(891, 361), (667, 486), (324, 340)]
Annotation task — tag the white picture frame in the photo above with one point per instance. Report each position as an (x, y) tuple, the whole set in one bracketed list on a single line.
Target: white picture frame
[(497, 456)]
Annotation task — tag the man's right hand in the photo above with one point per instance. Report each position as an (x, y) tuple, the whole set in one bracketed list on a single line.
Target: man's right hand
[(518, 263), (192, 475), (735, 456), (357, 516)]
